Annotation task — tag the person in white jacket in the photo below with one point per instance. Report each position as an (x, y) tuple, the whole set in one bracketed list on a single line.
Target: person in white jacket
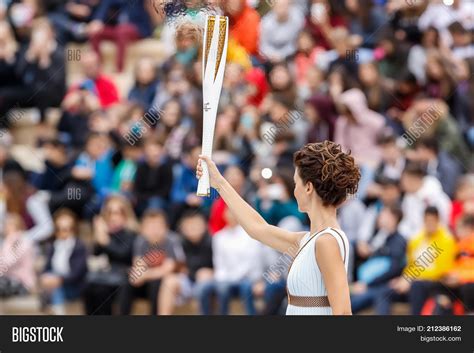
[(421, 191)]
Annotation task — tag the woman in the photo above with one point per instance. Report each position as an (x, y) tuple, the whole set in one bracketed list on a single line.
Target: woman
[(33, 75), (66, 263), (22, 199), (323, 179), (146, 82), (17, 259), (114, 237)]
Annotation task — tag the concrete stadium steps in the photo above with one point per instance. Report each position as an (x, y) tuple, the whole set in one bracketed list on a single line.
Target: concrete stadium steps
[(30, 305), (396, 309), (26, 127), (146, 47)]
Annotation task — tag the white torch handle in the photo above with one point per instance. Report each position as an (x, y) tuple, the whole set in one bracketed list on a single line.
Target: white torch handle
[(214, 62)]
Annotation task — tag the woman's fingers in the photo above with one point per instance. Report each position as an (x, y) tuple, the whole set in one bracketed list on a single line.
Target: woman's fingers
[(205, 158)]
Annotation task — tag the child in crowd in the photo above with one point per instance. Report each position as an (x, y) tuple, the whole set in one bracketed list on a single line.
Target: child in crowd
[(154, 177), (385, 259), (197, 267), (155, 255), (66, 263)]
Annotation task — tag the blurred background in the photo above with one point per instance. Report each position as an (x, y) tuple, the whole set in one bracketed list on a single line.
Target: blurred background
[(100, 128)]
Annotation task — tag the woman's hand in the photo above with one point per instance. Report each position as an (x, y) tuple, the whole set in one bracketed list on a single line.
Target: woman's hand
[(101, 230), (215, 177)]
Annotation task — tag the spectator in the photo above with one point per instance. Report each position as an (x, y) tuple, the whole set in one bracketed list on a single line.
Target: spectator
[(155, 255), (120, 22), (272, 286), (324, 17), (439, 164), (146, 81), (41, 71), (431, 118), (275, 201), (358, 120), (197, 266), (94, 168), (376, 88), (460, 279), (389, 196), (70, 19), (66, 264), (114, 236), (30, 205), (385, 259), (244, 24), (286, 119), (366, 17), (236, 178), (282, 84), (357, 129), (418, 53), (58, 166), (57, 179), (237, 265), (154, 177), (279, 31), (257, 85), (17, 259), (183, 194), (9, 55), (430, 255), (94, 86), (321, 115), (462, 48), (421, 191), (391, 56), (124, 173), (463, 203), (173, 128), (391, 165)]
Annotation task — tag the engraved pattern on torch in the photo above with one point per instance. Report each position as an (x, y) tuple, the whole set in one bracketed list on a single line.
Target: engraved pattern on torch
[(222, 40), (211, 21)]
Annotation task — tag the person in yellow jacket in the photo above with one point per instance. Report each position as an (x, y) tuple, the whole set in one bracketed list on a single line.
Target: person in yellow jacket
[(458, 283), (430, 256)]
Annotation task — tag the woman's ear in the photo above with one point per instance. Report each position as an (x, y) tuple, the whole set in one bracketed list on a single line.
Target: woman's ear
[(309, 187)]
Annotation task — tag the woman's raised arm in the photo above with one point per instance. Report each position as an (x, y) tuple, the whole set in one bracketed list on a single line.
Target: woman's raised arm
[(253, 223)]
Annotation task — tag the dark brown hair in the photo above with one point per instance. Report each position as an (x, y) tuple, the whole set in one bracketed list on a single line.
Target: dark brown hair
[(396, 211), (333, 173), (66, 212), (153, 213)]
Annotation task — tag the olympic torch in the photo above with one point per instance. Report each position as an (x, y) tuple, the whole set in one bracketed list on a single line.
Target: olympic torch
[(214, 57)]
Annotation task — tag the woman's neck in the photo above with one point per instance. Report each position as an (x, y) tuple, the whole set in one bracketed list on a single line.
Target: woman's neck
[(322, 217)]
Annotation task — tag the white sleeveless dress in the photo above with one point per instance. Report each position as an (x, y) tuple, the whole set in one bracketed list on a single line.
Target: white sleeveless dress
[(305, 278)]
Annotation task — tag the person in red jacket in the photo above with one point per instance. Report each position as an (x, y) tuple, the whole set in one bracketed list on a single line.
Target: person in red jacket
[(95, 86), (244, 24), (217, 221)]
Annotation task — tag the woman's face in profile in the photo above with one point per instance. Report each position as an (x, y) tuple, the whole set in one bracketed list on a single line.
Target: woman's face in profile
[(300, 193)]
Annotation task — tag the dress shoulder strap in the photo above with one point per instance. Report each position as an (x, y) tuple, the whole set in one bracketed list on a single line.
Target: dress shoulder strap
[(336, 234)]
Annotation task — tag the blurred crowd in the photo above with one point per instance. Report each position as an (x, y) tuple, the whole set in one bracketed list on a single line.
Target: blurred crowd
[(113, 215)]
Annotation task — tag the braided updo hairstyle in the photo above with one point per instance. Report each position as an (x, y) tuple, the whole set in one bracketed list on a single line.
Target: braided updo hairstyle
[(333, 173)]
